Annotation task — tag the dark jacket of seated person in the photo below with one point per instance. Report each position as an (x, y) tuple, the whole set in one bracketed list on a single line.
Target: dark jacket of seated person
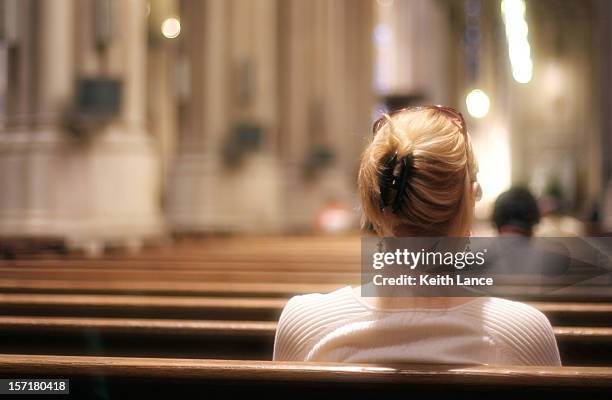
[(417, 178)]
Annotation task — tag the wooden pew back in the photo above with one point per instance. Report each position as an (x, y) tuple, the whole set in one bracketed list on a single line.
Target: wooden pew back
[(121, 376)]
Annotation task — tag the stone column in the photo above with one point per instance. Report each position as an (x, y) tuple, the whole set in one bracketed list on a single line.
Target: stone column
[(231, 50), (348, 95), (101, 187), (164, 83), (265, 45), (133, 57), (56, 64), (296, 60), (295, 86), (53, 82), (19, 119), (327, 56), (252, 202), (34, 113), (192, 195), (24, 110)]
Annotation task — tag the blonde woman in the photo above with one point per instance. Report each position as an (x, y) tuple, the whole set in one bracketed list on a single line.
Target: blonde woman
[(417, 178)]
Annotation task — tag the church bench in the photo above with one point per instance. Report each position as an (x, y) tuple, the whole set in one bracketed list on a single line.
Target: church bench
[(169, 274), (259, 289), (136, 337), (242, 339), (115, 377), (560, 313), (218, 288), (282, 250), (187, 265), (143, 306)]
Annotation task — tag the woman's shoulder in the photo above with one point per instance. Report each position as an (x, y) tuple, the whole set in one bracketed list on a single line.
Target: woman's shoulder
[(521, 312), (506, 314), (336, 298), (305, 317), (521, 329)]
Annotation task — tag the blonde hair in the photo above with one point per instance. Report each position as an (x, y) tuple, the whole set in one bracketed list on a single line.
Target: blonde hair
[(441, 169)]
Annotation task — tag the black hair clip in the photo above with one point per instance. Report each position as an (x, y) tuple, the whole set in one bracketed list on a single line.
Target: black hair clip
[(389, 181), (401, 181)]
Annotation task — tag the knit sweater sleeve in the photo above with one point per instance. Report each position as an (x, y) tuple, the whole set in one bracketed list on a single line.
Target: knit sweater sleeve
[(307, 318), (524, 335), (285, 340)]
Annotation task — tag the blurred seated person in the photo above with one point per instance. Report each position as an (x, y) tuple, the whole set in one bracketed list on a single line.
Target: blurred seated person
[(516, 212), (516, 215), (417, 178)]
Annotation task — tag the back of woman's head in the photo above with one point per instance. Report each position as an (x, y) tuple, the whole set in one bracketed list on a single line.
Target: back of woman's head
[(417, 174)]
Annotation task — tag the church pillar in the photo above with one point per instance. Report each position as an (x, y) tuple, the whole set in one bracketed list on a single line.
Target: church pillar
[(90, 184), (226, 176), (328, 91)]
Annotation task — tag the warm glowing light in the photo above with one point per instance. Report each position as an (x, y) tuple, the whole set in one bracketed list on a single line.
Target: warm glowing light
[(477, 103), (492, 146), (171, 28), (513, 13)]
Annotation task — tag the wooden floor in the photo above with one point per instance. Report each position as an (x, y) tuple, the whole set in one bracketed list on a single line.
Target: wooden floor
[(200, 315)]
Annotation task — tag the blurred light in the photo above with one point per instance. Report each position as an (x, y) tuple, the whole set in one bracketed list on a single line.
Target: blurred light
[(171, 28), (513, 13), (477, 103), (492, 146)]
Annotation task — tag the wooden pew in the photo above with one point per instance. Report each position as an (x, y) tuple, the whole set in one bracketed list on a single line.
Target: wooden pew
[(100, 273), (222, 289), (169, 274), (258, 289), (255, 309), (283, 249), (137, 337), (204, 338), (123, 377), (576, 314), (185, 265), (135, 306)]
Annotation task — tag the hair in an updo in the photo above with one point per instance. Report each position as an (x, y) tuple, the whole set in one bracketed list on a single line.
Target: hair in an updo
[(436, 196)]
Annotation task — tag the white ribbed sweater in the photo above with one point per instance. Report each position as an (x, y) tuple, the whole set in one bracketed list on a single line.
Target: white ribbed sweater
[(338, 326)]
